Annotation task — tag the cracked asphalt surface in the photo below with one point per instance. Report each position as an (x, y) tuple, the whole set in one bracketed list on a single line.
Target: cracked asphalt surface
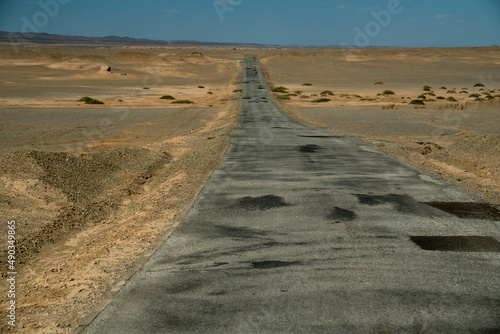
[(303, 231)]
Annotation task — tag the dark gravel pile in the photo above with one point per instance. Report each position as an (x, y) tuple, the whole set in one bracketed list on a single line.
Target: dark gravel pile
[(94, 184)]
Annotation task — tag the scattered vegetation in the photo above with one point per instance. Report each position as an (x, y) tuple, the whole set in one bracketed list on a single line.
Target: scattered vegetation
[(430, 94), (209, 93), (304, 97), (283, 97), (378, 83), (306, 84), (183, 102), (451, 99), (146, 88), (463, 92), (238, 91), (89, 100), (368, 99), (443, 87), (167, 97), (440, 98), (387, 92), (479, 85), (474, 95), (451, 91), (326, 92), (417, 102), (280, 89), (479, 99), (201, 86), (298, 92), (422, 97), (427, 88), (321, 100), (455, 106), (120, 100), (290, 94)]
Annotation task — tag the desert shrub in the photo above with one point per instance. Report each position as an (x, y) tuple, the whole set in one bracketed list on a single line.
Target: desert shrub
[(422, 97), (463, 92), (440, 98), (183, 102), (387, 92), (378, 83), (451, 91), (489, 97), (431, 100), (224, 100), (290, 94), (201, 86), (321, 100), (304, 97), (167, 97), (314, 94), (479, 85), (326, 92), (479, 99), (306, 84), (120, 100), (389, 106), (280, 89), (238, 91), (427, 88), (283, 97), (417, 102), (451, 99), (89, 100), (298, 92), (443, 87), (146, 88), (430, 94), (368, 99)]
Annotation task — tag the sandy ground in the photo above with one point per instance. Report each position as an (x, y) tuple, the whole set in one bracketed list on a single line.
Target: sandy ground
[(457, 140), (92, 188)]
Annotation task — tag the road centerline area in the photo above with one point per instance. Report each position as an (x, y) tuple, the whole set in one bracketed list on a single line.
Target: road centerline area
[(304, 231)]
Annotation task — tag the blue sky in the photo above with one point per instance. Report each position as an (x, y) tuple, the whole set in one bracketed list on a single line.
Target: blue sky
[(412, 23)]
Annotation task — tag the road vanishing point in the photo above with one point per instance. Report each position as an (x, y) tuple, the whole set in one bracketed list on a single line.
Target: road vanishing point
[(301, 230)]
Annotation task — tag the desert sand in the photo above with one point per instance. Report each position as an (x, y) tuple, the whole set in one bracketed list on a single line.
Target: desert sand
[(93, 188)]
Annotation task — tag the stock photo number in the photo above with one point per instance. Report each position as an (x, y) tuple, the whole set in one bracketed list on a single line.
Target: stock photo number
[(11, 272), (223, 6)]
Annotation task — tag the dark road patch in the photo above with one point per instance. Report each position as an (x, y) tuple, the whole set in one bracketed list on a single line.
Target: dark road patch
[(468, 209), (402, 203), (309, 148), (272, 264), (239, 232), (338, 215), (324, 136), (457, 243), (262, 203)]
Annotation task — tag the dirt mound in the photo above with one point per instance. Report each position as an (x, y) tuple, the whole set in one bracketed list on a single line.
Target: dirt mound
[(73, 64), (67, 191), (197, 58)]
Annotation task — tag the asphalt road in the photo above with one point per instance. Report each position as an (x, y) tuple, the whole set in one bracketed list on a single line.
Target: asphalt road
[(302, 231)]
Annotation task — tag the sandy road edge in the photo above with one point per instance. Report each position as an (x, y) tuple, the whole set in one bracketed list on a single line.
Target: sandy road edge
[(137, 266)]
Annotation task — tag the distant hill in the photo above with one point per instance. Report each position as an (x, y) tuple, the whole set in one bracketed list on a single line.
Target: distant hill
[(43, 38)]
